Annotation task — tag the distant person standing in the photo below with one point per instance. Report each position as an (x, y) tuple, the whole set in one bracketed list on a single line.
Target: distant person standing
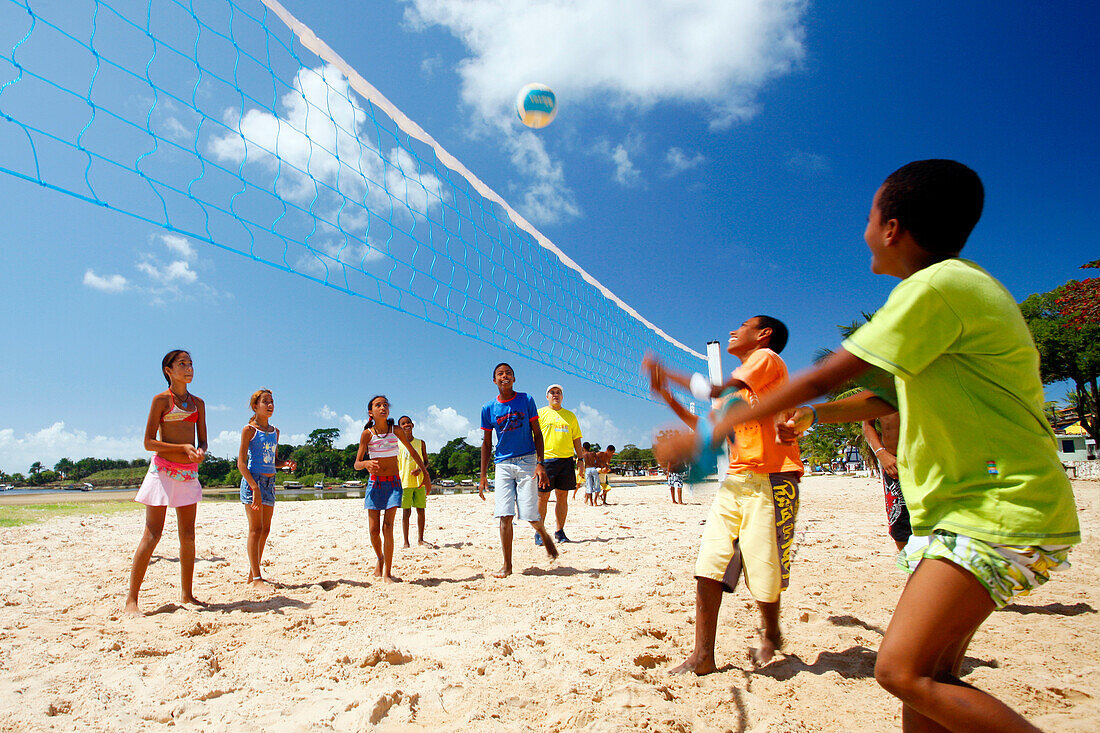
[(589, 460), (884, 442), (561, 440), (414, 482), (603, 463), (519, 462)]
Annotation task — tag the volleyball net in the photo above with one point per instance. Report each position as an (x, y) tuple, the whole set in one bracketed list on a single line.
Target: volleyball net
[(230, 122)]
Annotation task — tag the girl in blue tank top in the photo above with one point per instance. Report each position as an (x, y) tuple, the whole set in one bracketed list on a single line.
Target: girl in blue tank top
[(257, 462)]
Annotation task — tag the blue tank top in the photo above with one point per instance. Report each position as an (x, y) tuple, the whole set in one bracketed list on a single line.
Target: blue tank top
[(261, 451)]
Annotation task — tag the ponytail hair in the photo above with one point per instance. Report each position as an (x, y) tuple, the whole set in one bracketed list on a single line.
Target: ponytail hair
[(370, 420), (167, 361)]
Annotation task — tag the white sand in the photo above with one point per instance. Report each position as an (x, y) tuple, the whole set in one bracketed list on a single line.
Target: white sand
[(583, 643)]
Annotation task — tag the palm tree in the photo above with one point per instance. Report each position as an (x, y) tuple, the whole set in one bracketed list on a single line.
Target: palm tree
[(64, 467), (36, 467)]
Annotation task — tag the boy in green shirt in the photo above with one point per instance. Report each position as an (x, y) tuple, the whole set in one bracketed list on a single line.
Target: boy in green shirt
[(992, 510)]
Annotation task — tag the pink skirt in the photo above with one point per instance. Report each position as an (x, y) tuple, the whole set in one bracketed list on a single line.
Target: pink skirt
[(170, 484)]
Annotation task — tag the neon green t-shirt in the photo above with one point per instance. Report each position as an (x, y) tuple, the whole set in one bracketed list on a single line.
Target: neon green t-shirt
[(559, 428), (406, 464), (976, 455)]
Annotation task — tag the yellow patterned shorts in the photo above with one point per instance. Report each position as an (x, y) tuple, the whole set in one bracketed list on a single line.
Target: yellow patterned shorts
[(1004, 570), (750, 528)]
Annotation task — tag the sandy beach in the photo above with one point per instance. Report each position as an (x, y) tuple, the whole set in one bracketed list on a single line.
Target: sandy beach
[(583, 643)]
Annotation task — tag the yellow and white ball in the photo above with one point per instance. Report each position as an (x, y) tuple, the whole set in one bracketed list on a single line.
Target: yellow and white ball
[(536, 105)]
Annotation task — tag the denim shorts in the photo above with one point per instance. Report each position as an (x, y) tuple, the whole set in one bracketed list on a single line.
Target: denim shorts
[(267, 490), (383, 492), (516, 495)]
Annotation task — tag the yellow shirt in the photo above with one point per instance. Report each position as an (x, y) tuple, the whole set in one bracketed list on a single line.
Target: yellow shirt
[(559, 429), (406, 464)]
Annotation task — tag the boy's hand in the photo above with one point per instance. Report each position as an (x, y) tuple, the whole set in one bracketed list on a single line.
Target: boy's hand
[(541, 476), (652, 366), (482, 486), (889, 463), (793, 423), (675, 447), (427, 487)]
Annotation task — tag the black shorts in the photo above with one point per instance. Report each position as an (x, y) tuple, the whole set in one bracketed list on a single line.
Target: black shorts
[(562, 473)]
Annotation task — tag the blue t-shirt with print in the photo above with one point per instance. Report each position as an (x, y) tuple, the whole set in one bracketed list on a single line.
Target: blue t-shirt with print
[(512, 422)]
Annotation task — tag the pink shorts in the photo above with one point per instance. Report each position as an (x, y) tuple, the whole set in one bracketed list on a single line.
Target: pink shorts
[(170, 484)]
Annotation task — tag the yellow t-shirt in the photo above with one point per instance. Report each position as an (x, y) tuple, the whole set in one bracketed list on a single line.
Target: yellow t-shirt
[(406, 465), (559, 429), (976, 455)]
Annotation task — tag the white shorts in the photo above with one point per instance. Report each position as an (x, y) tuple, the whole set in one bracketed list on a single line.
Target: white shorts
[(516, 493)]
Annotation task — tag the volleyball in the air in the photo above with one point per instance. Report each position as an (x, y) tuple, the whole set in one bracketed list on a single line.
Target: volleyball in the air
[(536, 105)]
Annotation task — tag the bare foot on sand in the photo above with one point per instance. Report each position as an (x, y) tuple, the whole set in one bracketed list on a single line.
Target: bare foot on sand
[(504, 572), (191, 601), (258, 583), (406, 546), (131, 608), (764, 653), (378, 570), (425, 543), (700, 664)]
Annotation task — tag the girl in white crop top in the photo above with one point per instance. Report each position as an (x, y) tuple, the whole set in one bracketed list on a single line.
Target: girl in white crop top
[(378, 454)]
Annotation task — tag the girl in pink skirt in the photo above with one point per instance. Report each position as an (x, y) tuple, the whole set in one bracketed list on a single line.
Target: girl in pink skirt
[(172, 481)]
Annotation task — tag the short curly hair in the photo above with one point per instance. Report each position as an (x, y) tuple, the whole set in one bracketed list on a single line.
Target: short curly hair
[(937, 201)]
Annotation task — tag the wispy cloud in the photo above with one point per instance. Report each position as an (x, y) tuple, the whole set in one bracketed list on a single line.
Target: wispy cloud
[(108, 284), (678, 161), (621, 157), (545, 198), (807, 163)]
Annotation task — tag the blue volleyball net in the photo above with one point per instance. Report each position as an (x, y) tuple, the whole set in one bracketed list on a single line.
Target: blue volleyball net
[(231, 123)]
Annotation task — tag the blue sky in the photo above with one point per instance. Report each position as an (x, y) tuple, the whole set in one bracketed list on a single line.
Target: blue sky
[(709, 161)]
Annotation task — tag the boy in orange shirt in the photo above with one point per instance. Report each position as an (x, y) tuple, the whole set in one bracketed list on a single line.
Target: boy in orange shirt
[(750, 527)]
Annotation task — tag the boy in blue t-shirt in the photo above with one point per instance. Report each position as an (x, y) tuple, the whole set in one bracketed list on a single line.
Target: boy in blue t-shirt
[(514, 418)]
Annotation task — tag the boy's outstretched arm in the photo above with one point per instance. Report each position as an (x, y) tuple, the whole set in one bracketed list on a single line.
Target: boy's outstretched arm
[(837, 369), (681, 412)]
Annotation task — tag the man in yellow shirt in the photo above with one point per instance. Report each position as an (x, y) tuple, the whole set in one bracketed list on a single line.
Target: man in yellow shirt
[(561, 438)]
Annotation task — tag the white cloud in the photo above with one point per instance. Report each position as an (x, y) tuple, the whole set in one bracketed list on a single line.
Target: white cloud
[(321, 144), (225, 443), (51, 444), (350, 427), (714, 52), (598, 427), (546, 199), (439, 426), (626, 174), (108, 284), (806, 163), (180, 245), (678, 161)]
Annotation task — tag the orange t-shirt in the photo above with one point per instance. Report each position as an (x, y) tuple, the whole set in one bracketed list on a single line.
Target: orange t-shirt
[(755, 448)]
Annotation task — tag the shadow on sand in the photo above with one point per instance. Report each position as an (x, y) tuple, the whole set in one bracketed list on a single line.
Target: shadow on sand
[(1055, 609), (566, 571)]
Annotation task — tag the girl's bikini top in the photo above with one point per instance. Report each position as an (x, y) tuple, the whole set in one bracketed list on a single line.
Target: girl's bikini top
[(382, 446), (176, 414)]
